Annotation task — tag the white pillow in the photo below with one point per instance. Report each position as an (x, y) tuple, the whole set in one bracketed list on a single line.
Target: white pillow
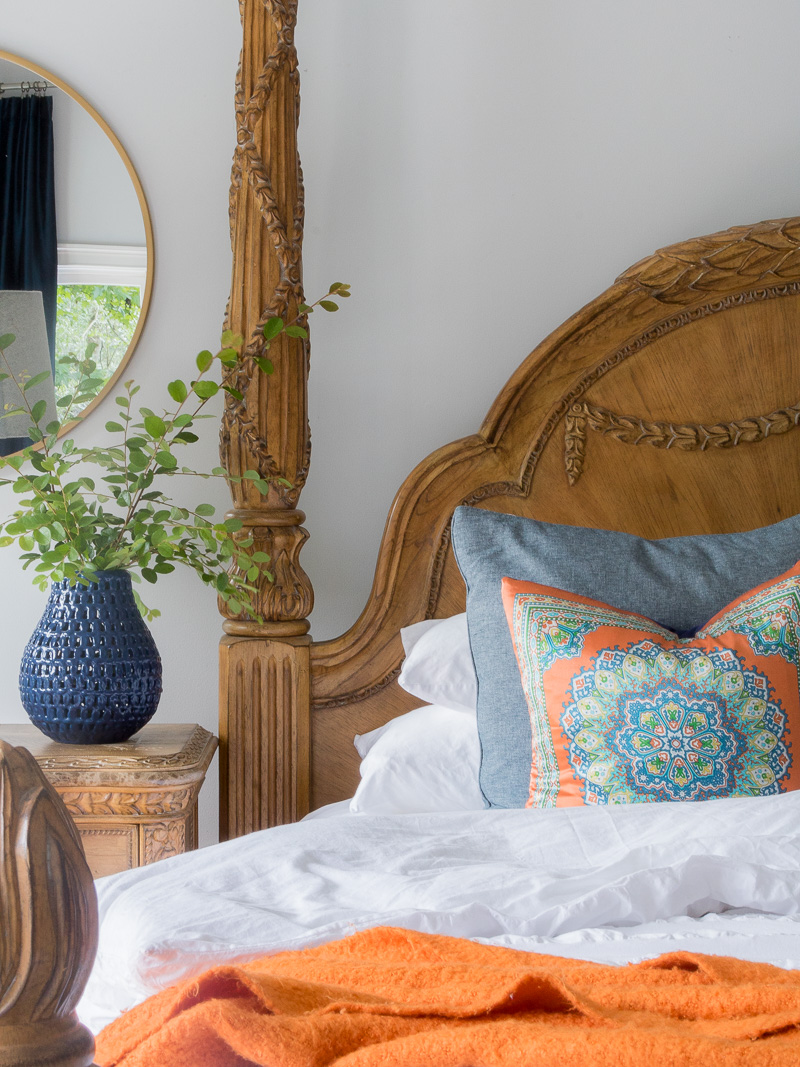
[(426, 760), (438, 666)]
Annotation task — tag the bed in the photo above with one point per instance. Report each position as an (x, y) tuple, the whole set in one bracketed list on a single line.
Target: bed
[(665, 408)]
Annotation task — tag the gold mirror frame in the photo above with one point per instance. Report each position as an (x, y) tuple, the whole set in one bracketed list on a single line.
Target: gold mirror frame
[(59, 83)]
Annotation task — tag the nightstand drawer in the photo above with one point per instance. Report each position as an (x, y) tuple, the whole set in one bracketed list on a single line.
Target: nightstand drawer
[(110, 848)]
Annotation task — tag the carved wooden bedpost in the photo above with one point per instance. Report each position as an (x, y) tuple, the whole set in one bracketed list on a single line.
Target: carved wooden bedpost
[(48, 922), (264, 668)]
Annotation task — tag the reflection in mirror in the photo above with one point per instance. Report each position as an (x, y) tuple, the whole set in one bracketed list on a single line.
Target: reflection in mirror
[(74, 226)]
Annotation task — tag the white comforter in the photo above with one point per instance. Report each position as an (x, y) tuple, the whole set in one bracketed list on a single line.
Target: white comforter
[(608, 884)]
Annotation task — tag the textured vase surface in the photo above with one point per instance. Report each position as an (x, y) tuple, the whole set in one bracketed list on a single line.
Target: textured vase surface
[(91, 673)]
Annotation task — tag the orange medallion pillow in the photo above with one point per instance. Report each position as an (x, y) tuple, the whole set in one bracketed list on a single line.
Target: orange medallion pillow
[(624, 711)]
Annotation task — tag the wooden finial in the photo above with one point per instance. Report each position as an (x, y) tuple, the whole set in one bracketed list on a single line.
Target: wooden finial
[(48, 913)]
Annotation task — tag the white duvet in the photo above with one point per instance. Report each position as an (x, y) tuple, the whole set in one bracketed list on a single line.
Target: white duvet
[(607, 884)]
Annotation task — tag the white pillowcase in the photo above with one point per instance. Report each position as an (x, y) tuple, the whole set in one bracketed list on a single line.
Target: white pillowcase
[(438, 665), (426, 760)]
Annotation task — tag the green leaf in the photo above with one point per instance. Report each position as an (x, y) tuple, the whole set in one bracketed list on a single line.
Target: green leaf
[(264, 364), (166, 460), (232, 525), (272, 327), (155, 426), (178, 391), (205, 509), (205, 390), (228, 356), (296, 331), (137, 461), (232, 392), (37, 379), (114, 427), (38, 410), (149, 575), (64, 401), (328, 305), (7, 339), (187, 437), (204, 360)]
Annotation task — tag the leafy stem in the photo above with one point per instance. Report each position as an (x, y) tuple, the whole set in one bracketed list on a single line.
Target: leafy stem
[(69, 527)]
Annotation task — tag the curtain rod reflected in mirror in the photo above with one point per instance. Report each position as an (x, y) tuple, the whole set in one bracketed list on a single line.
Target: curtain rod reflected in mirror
[(25, 87), (93, 224)]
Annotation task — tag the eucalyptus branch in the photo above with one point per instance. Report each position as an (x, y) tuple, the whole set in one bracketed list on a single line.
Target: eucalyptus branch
[(69, 528)]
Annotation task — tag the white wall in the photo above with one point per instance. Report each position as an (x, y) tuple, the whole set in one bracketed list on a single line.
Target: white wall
[(477, 172)]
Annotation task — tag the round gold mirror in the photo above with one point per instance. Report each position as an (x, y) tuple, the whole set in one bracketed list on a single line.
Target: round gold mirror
[(96, 225)]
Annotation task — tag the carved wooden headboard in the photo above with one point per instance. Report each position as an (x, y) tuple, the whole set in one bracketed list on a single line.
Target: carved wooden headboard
[(664, 407)]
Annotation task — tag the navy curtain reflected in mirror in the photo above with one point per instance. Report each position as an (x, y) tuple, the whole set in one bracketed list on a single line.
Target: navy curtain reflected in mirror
[(28, 243)]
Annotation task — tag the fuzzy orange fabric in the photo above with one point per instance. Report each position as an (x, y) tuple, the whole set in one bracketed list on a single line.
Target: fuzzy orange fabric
[(394, 998)]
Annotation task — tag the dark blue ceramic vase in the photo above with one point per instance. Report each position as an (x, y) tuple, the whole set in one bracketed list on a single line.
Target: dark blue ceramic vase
[(91, 673)]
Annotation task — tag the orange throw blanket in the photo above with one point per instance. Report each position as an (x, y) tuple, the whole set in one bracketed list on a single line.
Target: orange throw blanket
[(395, 998)]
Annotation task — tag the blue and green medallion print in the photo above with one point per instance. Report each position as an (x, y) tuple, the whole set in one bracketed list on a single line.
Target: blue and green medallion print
[(645, 724), (770, 620), (547, 628)]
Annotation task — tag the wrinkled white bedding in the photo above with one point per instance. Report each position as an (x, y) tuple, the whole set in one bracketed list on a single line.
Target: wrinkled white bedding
[(607, 884)]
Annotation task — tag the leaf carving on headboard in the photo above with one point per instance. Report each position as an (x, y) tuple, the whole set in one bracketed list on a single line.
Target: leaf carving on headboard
[(690, 437), (766, 253)]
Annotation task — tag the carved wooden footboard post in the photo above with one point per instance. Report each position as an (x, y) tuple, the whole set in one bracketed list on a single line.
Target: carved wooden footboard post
[(264, 686), (48, 922)]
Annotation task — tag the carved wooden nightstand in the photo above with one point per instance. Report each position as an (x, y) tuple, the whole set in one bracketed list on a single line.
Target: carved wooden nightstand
[(133, 803)]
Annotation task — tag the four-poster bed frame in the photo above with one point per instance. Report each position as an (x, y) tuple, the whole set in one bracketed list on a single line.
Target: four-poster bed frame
[(663, 407), (671, 356)]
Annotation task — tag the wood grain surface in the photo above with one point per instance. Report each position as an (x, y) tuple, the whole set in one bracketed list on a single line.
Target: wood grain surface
[(49, 922)]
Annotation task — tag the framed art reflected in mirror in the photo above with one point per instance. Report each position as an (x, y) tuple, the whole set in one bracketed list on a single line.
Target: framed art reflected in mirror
[(74, 226)]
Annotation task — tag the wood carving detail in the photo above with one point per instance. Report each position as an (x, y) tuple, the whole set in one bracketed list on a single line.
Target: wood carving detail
[(689, 437), (164, 839), (290, 596), (285, 235), (766, 253), (267, 430), (265, 735), (189, 757), (566, 409), (127, 803), (49, 921)]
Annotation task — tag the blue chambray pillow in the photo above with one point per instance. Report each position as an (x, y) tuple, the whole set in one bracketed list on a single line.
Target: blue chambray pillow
[(679, 581)]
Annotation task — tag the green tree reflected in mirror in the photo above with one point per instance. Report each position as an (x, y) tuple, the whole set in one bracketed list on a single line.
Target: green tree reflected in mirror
[(101, 315)]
